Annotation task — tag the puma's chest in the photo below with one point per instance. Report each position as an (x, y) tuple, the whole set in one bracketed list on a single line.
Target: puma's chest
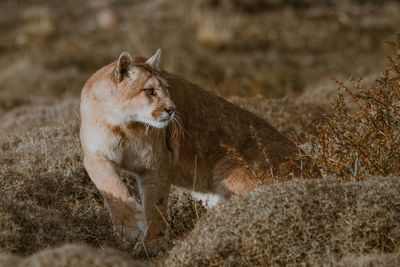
[(140, 156), (137, 156)]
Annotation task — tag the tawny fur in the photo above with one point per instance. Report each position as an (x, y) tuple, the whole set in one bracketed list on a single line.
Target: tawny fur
[(208, 144)]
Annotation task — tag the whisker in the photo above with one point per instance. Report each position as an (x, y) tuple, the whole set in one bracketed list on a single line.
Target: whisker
[(181, 128), (176, 128), (173, 130), (179, 121)]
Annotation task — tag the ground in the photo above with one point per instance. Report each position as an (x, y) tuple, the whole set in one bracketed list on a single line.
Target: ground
[(271, 57)]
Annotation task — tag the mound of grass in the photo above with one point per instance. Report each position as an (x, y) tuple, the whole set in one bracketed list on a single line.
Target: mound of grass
[(38, 114), (300, 222), (72, 255), (382, 260), (8, 260)]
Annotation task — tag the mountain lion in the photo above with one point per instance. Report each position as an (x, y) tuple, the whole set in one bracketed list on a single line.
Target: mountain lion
[(137, 117)]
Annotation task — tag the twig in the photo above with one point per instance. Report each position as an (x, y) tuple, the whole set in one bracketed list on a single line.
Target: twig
[(323, 148), (355, 100), (144, 247), (194, 184), (355, 168), (159, 211), (300, 158)]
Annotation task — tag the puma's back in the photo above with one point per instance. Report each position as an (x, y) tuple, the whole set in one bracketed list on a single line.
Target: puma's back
[(222, 139)]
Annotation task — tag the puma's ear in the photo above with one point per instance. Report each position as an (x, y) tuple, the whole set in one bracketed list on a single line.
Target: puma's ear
[(125, 62), (154, 61)]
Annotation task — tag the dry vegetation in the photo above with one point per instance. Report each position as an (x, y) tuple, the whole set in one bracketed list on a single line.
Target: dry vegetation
[(361, 136), (271, 57)]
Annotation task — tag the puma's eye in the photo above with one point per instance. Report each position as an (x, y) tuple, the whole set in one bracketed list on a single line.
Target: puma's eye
[(149, 91)]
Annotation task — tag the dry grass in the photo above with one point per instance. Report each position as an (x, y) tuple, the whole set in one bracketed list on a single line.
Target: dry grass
[(28, 116), (370, 260), (72, 255), (300, 222)]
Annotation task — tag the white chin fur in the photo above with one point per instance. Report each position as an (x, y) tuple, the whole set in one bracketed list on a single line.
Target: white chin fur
[(159, 124), (156, 124)]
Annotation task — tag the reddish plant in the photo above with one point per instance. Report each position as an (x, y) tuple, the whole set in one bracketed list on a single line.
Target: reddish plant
[(361, 136)]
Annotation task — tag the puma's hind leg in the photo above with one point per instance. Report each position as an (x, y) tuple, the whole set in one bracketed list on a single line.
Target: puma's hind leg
[(231, 176)]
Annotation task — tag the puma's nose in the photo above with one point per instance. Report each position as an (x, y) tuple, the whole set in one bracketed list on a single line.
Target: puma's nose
[(170, 110)]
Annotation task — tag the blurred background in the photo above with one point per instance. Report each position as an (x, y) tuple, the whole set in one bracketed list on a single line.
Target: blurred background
[(244, 48)]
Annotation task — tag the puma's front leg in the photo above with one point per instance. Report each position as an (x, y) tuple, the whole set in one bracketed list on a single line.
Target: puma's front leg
[(154, 189), (126, 214)]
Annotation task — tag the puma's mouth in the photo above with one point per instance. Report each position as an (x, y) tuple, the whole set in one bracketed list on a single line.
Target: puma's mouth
[(164, 117), (161, 122)]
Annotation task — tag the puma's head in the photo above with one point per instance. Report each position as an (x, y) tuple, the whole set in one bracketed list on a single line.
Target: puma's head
[(140, 93)]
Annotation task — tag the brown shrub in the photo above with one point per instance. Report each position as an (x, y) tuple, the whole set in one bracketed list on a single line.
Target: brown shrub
[(361, 135), (299, 222)]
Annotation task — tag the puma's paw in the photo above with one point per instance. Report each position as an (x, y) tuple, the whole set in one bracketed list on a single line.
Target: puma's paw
[(129, 222), (129, 232)]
